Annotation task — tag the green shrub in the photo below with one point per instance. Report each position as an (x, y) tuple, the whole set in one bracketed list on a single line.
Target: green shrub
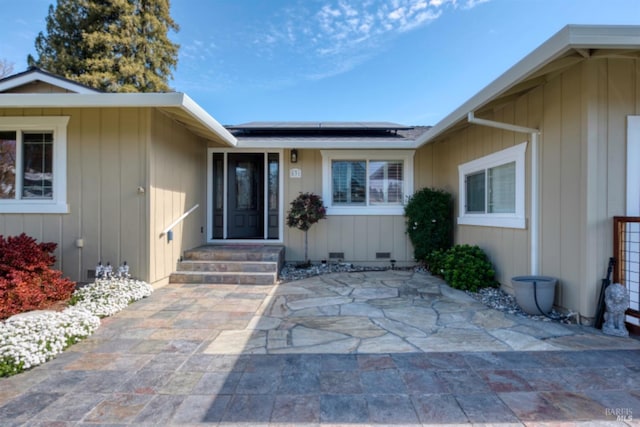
[(464, 267), (429, 214), (435, 261)]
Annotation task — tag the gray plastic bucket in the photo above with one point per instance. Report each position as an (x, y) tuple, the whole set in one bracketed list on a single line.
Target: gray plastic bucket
[(545, 288)]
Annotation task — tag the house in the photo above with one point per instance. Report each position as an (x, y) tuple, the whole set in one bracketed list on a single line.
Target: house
[(543, 158), (111, 173), (537, 161), (116, 170)]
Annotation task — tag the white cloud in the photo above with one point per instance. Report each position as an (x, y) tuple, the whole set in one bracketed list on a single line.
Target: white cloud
[(419, 6), (397, 14), (324, 38), (473, 3)]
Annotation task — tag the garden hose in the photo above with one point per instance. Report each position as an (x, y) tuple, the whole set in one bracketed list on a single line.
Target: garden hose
[(535, 299)]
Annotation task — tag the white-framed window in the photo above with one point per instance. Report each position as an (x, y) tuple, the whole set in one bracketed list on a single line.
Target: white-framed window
[(33, 164), (492, 189), (356, 182)]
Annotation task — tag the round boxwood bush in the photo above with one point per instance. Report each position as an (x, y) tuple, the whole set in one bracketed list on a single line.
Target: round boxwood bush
[(435, 262), (429, 216), (467, 268)]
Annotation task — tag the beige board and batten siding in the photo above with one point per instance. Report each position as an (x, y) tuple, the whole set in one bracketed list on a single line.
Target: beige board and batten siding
[(177, 182), (105, 166), (507, 247), (581, 113), (359, 237)]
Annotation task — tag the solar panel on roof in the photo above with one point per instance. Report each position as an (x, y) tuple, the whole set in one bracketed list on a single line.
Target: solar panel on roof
[(315, 126)]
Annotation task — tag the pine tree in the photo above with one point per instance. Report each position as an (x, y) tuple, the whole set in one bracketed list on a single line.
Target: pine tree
[(112, 45)]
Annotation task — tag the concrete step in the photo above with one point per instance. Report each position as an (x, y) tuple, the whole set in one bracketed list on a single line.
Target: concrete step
[(230, 264), (236, 253), (224, 278)]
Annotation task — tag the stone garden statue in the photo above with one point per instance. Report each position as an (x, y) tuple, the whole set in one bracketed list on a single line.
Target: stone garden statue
[(617, 301)]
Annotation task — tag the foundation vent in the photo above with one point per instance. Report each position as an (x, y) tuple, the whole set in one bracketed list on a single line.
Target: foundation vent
[(383, 255), (336, 255)]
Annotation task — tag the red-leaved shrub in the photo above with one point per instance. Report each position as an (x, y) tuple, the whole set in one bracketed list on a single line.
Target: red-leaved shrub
[(27, 281)]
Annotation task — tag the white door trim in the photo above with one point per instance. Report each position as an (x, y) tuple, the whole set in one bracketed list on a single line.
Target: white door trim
[(226, 151)]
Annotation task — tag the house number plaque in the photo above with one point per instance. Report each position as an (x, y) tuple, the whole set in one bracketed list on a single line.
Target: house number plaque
[(295, 173)]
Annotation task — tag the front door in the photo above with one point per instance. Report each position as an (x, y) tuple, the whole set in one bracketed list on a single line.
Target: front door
[(246, 196)]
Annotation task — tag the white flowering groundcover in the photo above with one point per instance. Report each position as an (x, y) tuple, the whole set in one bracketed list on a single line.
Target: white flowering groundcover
[(28, 341)]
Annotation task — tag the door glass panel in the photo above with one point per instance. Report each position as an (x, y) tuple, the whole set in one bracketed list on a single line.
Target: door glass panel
[(218, 195), (246, 183), (273, 181), (273, 187), (218, 181)]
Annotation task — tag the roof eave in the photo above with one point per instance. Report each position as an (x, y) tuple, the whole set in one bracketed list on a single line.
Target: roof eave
[(208, 121), (162, 101), (569, 37)]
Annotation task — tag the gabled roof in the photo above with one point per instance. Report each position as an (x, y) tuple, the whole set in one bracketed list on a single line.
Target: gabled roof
[(381, 135), (570, 46), (176, 105), (35, 74)]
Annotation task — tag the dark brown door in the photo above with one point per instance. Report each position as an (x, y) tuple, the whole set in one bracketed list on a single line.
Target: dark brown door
[(246, 196)]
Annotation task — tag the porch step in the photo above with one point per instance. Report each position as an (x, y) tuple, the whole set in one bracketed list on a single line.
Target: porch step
[(230, 264)]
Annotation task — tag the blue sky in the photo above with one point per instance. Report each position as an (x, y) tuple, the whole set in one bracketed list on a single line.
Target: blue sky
[(406, 61)]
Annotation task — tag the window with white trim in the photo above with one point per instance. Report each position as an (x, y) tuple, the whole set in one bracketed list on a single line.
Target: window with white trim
[(33, 169), (361, 183), (492, 189)]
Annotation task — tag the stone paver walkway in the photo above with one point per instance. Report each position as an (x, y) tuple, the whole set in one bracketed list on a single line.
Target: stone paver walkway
[(394, 348)]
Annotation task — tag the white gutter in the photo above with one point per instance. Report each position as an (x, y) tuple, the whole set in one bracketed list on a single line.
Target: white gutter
[(169, 100), (207, 120), (535, 196)]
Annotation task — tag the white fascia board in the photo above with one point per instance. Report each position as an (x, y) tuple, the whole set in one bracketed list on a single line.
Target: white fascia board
[(35, 76), (206, 120), (93, 100), (332, 144), (569, 37), (119, 100), (604, 36)]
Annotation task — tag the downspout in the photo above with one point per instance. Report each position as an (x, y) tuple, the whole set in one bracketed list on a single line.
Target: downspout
[(534, 222)]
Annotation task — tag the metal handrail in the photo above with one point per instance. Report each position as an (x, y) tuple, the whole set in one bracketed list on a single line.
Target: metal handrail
[(179, 220)]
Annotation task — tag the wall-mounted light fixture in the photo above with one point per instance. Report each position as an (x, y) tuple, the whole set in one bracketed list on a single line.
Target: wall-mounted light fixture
[(294, 156)]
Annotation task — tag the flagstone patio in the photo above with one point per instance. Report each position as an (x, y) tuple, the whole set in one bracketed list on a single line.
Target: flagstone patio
[(386, 311)]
